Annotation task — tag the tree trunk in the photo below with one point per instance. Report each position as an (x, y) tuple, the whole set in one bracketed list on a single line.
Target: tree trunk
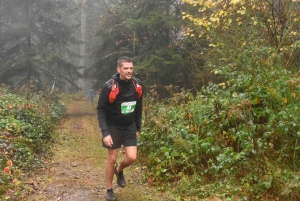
[(81, 82)]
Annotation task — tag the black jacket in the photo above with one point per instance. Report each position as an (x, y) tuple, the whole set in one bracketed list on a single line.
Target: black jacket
[(110, 113)]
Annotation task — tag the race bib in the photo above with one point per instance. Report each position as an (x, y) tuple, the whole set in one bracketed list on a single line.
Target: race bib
[(128, 107)]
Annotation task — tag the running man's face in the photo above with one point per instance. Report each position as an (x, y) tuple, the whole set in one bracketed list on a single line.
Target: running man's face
[(125, 71)]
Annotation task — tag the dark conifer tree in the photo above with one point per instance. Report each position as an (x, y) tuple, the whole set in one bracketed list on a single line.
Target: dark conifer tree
[(148, 31), (35, 42)]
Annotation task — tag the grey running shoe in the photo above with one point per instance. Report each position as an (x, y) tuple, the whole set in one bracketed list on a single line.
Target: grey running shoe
[(110, 196), (120, 177)]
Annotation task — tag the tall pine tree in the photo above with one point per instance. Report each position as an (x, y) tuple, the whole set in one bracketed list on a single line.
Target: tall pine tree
[(35, 42), (149, 32)]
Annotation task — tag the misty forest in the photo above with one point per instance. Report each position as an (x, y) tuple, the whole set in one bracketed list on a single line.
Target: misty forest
[(221, 83)]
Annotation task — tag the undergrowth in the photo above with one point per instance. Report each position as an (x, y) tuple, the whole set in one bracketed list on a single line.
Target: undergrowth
[(236, 144), (27, 128)]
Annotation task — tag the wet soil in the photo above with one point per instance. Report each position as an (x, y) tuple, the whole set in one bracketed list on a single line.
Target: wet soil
[(76, 172)]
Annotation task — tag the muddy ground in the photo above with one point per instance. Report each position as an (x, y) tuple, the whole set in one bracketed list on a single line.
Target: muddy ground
[(76, 172)]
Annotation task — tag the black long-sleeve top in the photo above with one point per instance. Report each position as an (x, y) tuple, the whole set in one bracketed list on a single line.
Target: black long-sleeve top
[(111, 113)]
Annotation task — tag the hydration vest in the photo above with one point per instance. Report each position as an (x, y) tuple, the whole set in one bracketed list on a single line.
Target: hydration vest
[(115, 89)]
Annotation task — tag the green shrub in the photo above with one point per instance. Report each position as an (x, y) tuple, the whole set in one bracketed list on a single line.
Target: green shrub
[(27, 128), (222, 141), (27, 125)]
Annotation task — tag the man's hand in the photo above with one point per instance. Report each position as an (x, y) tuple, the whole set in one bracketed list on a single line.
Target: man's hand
[(137, 134), (108, 141)]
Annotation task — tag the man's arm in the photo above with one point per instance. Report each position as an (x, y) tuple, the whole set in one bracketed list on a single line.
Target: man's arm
[(101, 109)]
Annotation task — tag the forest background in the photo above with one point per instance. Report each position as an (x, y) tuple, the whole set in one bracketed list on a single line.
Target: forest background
[(221, 81)]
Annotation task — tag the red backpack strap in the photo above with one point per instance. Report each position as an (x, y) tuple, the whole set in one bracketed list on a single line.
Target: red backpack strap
[(138, 88), (114, 91)]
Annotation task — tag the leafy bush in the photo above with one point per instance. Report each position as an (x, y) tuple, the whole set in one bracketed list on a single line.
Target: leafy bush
[(236, 143), (27, 127)]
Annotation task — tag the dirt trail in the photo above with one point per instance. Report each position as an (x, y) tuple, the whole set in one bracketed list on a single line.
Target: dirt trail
[(76, 172)]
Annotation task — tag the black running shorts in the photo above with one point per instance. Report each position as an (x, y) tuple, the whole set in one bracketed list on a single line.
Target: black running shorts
[(121, 136)]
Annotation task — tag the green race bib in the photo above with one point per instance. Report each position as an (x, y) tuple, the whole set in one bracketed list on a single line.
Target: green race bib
[(128, 107)]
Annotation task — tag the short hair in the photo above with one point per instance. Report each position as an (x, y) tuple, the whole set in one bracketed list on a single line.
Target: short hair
[(123, 59)]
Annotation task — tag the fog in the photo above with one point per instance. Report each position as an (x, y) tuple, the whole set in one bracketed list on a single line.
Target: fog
[(47, 43), (70, 46)]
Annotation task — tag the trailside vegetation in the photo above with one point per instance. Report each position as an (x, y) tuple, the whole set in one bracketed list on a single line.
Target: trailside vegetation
[(238, 137), (27, 128)]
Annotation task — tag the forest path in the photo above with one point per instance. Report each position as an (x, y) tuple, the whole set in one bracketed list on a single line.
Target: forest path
[(76, 172)]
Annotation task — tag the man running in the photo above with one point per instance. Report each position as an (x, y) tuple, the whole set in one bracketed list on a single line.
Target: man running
[(119, 113)]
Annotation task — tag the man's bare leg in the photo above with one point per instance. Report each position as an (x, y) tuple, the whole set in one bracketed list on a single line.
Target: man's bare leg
[(130, 157), (110, 167)]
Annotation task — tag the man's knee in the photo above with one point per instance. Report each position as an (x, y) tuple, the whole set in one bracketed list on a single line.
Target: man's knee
[(131, 154), (111, 159), (131, 157)]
